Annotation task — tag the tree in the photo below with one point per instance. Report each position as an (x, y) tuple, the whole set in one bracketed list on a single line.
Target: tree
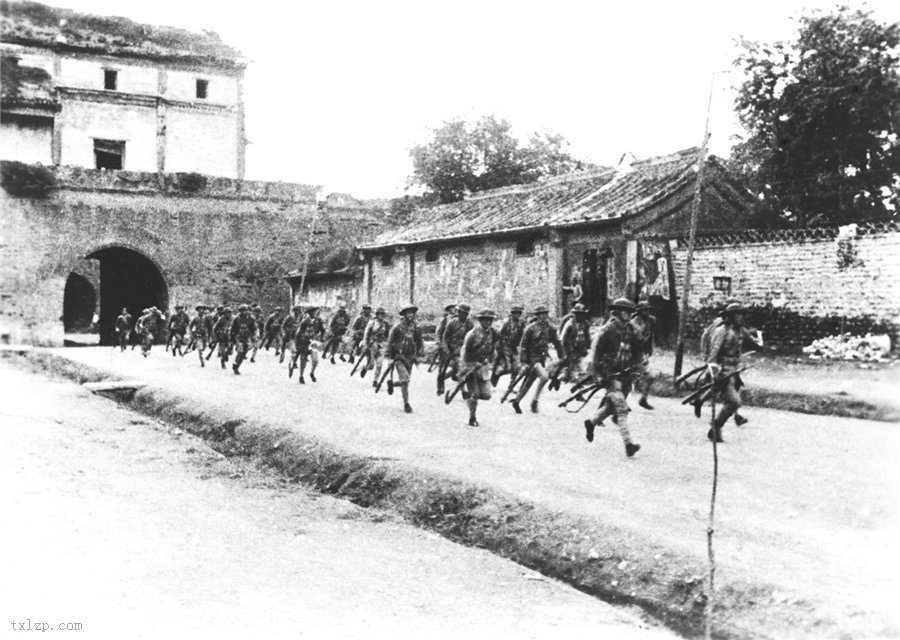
[(464, 158), (822, 115)]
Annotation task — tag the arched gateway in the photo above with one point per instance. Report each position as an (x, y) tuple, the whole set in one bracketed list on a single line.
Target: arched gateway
[(128, 279)]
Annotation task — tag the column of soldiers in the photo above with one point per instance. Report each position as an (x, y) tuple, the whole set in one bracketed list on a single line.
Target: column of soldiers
[(473, 355)]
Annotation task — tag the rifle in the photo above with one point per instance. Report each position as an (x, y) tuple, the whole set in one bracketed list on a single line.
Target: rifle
[(359, 362), (555, 370), (700, 391), (524, 371), (448, 397), (391, 382), (435, 358), (591, 391), (383, 376)]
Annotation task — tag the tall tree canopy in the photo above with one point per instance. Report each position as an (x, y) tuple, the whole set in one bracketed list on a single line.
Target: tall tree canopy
[(822, 114), (463, 158)]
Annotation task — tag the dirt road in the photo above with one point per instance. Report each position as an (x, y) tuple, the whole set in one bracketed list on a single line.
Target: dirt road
[(806, 503), (132, 529)]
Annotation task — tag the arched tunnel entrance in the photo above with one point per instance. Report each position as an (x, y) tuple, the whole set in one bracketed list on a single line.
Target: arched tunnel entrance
[(128, 279), (79, 304)]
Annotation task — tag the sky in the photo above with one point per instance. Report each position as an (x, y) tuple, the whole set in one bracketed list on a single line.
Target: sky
[(337, 92)]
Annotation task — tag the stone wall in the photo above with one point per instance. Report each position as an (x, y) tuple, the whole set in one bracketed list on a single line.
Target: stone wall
[(200, 241), (800, 285)]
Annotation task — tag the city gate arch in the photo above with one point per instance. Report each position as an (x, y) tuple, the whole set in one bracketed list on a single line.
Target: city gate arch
[(128, 279)]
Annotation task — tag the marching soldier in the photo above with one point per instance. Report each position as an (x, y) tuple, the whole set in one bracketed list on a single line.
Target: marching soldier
[(200, 331), (177, 328), (123, 328), (404, 346), (508, 351), (310, 328), (222, 334), (337, 328), (288, 329), (611, 361), (375, 340), (359, 328), (724, 360), (478, 352), (256, 339), (451, 343), (148, 326), (533, 353), (576, 340), (705, 337), (272, 329), (243, 334), (643, 325)]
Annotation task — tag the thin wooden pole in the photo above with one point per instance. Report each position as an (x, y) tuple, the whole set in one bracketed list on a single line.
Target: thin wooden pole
[(692, 234), (309, 243), (710, 587)]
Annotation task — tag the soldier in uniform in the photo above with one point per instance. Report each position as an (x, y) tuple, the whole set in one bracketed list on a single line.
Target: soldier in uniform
[(643, 325), (611, 361), (478, 352), (200, 331), (310, 328), (451, 343), (576, 340), (272, 329), (288, 329), (375, 340), (533, 353), (359, 328), (725, 347), (508, 351), (404, 346), (148, 326), (243, 335), (337, 328), (177, 328), (705, 337), (123, 328), (257, 338), (222, 334)]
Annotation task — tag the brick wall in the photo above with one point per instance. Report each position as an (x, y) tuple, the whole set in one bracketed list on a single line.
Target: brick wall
[(483, 274), (800, 285), (198, 241)]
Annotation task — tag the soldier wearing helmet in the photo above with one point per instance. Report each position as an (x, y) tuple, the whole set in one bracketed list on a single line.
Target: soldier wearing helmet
[(272, 330), (533, 354), (375, 340), (478, 352), (643, 326), (451, 344), (359, 328), (611, 362)]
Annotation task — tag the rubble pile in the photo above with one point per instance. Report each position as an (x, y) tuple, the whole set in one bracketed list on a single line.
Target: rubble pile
[(869, 348)]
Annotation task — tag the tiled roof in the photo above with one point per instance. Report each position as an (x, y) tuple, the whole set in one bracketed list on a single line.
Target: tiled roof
[(582, 197), (35, 24)]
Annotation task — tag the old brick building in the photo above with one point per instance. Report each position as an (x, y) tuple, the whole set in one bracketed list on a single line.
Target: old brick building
[(523, 244), (108, 93)]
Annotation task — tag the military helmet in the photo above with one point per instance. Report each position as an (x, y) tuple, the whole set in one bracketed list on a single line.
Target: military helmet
[(450, 307), (579, 308), (622, 303), (366, 307), (411, 308), (517, 309), (642, 305), (200, 307), (380, 311), (243, 307), (226, 309), (734, 307), (540, 309), (464, 308), (311, 309), (486, 313), (179, 306)]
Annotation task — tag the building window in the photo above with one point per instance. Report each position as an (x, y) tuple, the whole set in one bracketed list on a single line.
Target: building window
[(723, 284), (110, 79), (109, 154), (525, 247), (202, 88), (431, 254), (387, 258)]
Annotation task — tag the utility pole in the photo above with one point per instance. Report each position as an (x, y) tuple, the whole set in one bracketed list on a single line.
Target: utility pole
[(309, 244), (692, 234)]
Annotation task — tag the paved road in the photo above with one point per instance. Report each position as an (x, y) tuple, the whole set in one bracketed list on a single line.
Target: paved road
[(807, 503), (132, 529)]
